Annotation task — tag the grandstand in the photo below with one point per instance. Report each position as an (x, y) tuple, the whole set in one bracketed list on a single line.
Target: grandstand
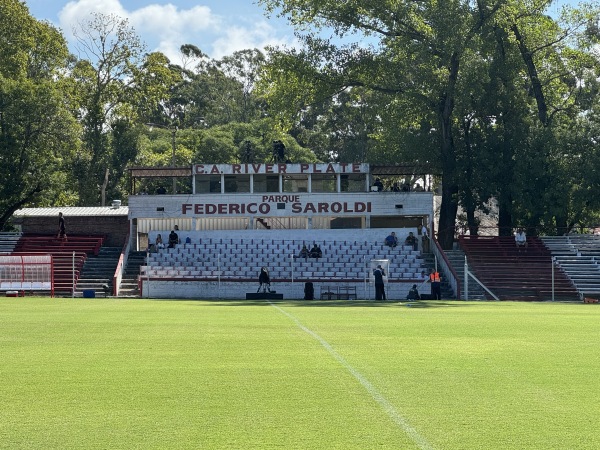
[(511, 273), (240, 217), (578, 256), (213, 257), (68, 256)]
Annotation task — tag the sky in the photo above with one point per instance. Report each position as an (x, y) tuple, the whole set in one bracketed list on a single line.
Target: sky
[(217, 27)]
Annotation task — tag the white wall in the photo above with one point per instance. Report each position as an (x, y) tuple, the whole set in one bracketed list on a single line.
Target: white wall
[(233, 290)]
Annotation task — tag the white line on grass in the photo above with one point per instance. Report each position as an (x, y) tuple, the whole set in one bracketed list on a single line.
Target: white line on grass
[(375, 394)]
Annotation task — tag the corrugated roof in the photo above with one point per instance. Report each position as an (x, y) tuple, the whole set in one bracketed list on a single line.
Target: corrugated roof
[(73, 211)]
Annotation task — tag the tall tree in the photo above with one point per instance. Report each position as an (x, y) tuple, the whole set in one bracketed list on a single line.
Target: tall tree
[(416, 54), (37, 132), (422, 56), (106, 87)]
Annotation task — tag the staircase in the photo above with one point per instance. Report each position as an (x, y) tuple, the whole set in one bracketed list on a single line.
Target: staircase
[(457, 261), (98, 270), (429, 263), (263, 222), (8, 242), (129, 282)]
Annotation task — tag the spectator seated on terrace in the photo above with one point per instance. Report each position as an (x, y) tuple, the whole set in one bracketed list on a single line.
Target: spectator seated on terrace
[(391, 240), (315, 252), (158, 244), (303, 252), (173, 239), (411, 240), (520, 239)]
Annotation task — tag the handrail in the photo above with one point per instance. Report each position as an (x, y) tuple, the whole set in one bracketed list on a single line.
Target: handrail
[(446, 267), (118, 276)]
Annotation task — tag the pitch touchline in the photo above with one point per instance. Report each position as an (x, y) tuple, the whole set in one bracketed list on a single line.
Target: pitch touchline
[(375, 394)]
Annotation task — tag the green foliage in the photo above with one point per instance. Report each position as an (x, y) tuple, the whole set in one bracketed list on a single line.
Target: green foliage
[(482, 91), (106, 91), (37, 139), (37, 134)]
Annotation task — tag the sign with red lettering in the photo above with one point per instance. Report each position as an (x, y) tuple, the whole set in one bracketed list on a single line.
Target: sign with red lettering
[(260, 168), (293, 206)]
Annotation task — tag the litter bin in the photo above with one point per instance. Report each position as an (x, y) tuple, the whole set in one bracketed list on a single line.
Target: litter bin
[(89, 293)]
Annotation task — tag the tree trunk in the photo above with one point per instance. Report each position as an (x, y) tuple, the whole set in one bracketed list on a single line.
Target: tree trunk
[(449, 206)]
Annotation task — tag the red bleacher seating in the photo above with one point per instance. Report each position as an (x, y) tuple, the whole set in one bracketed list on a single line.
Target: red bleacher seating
[(516, 274)]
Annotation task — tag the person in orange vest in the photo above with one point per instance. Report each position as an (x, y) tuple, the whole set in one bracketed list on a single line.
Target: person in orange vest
[(436, 285)]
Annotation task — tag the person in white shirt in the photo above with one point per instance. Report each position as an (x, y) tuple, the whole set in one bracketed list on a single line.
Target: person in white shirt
[(520, 239), (422, 232)]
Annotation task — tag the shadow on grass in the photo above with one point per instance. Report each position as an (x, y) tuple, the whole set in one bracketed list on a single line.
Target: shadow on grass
[(325, 303)]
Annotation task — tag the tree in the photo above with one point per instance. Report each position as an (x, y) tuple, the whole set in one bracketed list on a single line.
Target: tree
[(418, 55), (415, 59), (37, 133), (106, 89)]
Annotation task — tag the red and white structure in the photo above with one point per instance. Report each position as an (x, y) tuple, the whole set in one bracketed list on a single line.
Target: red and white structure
[(26, 273), (240, 217)]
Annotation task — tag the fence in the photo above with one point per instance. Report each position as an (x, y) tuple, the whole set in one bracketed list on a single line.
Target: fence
[(26, 272)]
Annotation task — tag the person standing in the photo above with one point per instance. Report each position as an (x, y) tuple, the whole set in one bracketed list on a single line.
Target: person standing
[(422, 232), (436, 285), (62, 231), (378, 184), (379, 273), (264, 281)]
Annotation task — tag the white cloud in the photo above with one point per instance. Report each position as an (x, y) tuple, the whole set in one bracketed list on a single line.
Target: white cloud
[(165, 28), (75, 12), (260, 35)]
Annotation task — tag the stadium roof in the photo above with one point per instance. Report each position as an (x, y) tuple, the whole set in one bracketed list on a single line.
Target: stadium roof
[(72, 211)]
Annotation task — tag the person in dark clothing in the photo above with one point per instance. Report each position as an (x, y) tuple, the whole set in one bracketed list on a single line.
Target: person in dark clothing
[(264, 280), (309, 291), (378, 184), (379, 273), (303, 252), (391, 240), (413, 294), (62, 231), (411, 240), (173, 239), (315, 252)]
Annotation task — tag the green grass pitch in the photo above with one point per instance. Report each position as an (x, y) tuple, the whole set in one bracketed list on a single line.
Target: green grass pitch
[(152, 374)]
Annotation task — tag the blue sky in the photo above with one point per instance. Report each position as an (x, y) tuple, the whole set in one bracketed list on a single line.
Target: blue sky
[(217, 27)]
